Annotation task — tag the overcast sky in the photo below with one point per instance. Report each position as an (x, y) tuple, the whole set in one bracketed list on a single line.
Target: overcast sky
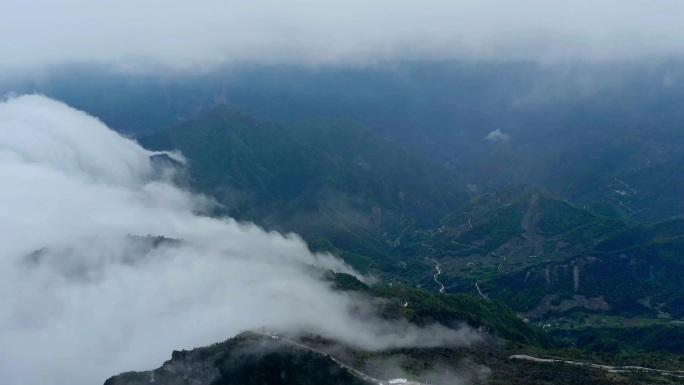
[(197, 34)]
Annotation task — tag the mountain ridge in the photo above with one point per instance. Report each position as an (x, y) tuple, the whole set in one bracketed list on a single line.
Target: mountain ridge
[(322, 179)]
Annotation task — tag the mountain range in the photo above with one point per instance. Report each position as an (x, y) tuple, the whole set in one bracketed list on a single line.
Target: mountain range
[(586, 131), (534, 272), (539, 205), (323, 179)]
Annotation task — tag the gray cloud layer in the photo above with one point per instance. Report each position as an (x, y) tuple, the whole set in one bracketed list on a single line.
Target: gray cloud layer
[(203, 33), (95, 301)]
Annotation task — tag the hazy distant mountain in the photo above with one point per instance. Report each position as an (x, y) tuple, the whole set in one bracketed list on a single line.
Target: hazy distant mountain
[(380, 204), (571, 128), (322, 179)]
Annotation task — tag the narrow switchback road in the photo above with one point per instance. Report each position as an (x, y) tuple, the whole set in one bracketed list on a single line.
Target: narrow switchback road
[(631, 212), (441, 287), (626, 185)]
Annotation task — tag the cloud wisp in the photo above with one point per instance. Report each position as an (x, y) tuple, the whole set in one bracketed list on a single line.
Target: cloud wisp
[(88, 294), (498, 136), (205, 33)]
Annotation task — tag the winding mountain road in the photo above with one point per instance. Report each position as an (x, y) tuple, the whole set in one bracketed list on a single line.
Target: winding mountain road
[(626, 185), (439, 271), (355, 372), (631, 212), (612, 369), (623, 193), (477, 286)]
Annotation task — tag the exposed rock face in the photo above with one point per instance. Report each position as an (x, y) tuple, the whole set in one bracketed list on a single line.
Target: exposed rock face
[(195, 367)]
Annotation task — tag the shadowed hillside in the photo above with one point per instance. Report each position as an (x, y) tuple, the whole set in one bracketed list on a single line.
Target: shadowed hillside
[(322, 179)]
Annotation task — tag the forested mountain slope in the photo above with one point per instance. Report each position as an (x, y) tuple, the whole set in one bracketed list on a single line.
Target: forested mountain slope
[(545, 256), (322, 179)]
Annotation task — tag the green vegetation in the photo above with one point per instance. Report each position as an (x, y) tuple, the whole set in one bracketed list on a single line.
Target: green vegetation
[(553, 257), (425, 308), (561, 218), (378, 206), (658, 338), (383, 209), (498, 228), (285, 366), (328, 179)]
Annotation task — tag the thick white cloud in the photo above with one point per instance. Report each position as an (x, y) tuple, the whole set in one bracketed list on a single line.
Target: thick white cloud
[(203, 33), (94, 301)]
